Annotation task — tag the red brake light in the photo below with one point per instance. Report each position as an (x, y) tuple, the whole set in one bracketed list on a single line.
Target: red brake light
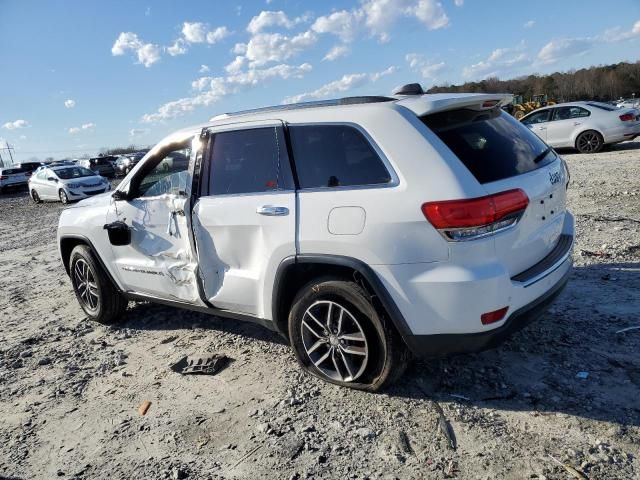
[(489, 103), (627, 117), (475, 212), (492, 317), (3, 177)]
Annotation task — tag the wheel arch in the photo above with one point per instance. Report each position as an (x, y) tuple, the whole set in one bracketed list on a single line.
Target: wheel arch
[(295, 271), (67, 243)]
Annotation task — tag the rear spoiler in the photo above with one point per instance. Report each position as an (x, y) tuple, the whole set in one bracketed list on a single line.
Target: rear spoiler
[(438, 102)]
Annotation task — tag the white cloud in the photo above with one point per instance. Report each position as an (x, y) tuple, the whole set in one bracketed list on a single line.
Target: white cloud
[(500, 61), (529, 24), (458, 3), (135, 132), (69, 103), (147, 53), (198, 32), (236, 65), (86, 126), (346, 83), (203, 69), (212, 89), (147, 12), (379, 16), (276, 47), (562, 48), (179, 47), (268, 19), (420, 64), (23, 137), (336, 52), (16, 124), (343, 24)]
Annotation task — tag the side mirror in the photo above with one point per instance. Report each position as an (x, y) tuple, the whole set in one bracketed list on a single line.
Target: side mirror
[(119, 233), (51, 179), (120, 195)]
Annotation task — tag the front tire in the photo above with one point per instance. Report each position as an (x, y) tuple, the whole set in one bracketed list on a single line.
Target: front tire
[(35, 197), (63, 197), (589, 142), (339, 336), (95, 292)]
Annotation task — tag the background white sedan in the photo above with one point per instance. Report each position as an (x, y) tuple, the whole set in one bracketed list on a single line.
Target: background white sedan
[(586, 126), (66, 183)]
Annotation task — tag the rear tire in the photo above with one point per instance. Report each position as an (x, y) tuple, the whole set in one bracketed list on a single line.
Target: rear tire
[(95, 292), (589, 141), (35, 197), (361, 351)]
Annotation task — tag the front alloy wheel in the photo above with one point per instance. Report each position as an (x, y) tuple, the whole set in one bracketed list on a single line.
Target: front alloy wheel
[(63, 197), (97, 295), (86, 286)]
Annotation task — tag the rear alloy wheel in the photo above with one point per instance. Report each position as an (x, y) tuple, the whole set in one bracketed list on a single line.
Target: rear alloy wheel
[(339, 336), (35, 197), (589, 142), (63, 197), (97, 296)]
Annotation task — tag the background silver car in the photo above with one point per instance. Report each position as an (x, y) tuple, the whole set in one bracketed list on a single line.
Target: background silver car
[(66, 183), (585, 126)]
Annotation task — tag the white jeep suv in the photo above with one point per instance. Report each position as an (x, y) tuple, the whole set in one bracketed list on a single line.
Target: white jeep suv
[(361, 229)]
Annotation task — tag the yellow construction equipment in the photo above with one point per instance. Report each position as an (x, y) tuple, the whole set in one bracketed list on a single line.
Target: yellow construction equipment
[(521, 108)]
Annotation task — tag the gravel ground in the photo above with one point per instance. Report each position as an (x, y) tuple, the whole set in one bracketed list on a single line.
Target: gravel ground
[(70, 390)]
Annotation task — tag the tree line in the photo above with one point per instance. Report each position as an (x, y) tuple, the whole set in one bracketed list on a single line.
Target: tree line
[(603, 83)]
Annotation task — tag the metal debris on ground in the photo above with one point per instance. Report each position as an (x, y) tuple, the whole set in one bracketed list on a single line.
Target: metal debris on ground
[(582, 375), (589, 253), (208, 364), (445, 427), (144, 407), (637, 327), (574, 472)]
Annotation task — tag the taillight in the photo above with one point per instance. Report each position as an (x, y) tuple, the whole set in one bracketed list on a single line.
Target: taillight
[(4, 177), (489, 103), (476, 217), (627, 117)]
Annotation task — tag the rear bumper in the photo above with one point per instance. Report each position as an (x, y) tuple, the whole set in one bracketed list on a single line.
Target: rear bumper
[(450, 344)]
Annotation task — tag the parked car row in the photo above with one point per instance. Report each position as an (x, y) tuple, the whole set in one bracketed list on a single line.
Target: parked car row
[(66, 183)]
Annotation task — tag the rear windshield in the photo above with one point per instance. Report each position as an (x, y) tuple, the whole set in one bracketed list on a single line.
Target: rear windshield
[(73, 172), (492, 144), (100, 161)]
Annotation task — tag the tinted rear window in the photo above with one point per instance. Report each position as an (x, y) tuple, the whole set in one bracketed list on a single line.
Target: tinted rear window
[(492, 144), (335, 156)]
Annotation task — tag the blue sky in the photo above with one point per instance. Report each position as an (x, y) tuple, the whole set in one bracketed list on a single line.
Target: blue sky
[(80, 75)]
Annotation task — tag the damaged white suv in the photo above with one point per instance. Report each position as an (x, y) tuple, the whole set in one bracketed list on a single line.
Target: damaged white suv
[(361, 229)]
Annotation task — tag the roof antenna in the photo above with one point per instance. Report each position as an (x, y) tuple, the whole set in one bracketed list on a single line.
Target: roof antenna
[(409, 89)]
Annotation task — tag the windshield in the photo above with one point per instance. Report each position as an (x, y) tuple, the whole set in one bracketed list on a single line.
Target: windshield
[(491, 144), (73, 172)]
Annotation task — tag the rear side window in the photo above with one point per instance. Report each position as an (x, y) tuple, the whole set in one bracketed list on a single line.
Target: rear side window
[(492, 144), (249, 161), (567, 113), (335, 156)]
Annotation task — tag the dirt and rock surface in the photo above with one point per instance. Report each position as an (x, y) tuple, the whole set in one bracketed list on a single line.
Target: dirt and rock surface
[(567, 387)]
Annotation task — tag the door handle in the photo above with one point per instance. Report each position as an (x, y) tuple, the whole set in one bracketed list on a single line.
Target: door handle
[(577, 123), (271, 211)]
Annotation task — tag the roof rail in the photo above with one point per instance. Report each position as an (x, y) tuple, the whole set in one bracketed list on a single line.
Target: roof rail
[(315, 104)]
